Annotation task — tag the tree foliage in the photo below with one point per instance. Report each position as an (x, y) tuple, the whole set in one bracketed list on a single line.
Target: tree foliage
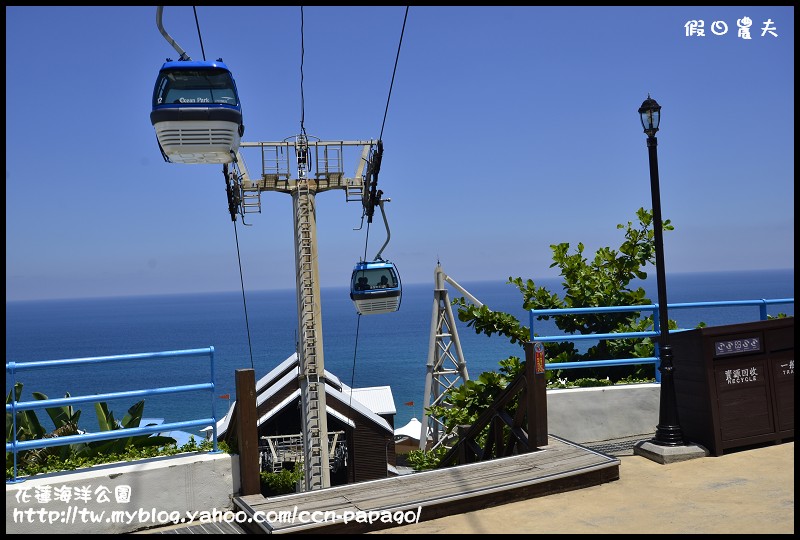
[(282, 482), (608, 279)]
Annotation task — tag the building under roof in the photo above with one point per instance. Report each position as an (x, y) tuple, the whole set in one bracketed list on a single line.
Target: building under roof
[(360, 425)]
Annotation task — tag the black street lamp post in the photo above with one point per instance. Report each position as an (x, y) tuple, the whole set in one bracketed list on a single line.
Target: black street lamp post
[(668, 430)]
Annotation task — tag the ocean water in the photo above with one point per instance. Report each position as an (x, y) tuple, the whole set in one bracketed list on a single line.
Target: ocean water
[(377, 350)]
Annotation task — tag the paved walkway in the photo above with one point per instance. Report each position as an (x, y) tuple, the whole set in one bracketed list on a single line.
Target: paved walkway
[(745, 491), (441, 492)]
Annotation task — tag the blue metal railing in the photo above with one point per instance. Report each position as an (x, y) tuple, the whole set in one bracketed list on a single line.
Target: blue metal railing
[(763, 303), (12, 368)]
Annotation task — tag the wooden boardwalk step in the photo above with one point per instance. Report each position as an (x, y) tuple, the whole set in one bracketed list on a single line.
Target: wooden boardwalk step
[(559, 466), (213, 527)]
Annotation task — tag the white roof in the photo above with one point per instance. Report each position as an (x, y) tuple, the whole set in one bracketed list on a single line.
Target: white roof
[(412, 430), (293, 397), (378, 399), (291, 362), (358, 406)]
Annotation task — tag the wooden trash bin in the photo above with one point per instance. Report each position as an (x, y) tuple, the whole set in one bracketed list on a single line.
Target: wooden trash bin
[(734, 384)]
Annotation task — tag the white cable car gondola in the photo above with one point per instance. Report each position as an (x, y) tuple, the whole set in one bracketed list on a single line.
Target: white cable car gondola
[(375, 287), (196, 112)]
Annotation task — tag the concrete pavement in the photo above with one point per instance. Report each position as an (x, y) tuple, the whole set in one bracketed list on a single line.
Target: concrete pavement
[(745, 491)]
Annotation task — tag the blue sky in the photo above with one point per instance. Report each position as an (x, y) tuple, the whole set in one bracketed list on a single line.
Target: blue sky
[(509, 129)]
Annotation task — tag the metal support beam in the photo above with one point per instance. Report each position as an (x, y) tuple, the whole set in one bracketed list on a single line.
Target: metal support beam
[(318, 165), (446, 364), (310, 353)]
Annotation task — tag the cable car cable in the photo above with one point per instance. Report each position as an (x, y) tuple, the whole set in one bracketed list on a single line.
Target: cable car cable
[(244, 301), (199, 36), (353, 372), (396, 60), (374, 165), (383, 296), (302, 58), (233, 205), (301, 146)]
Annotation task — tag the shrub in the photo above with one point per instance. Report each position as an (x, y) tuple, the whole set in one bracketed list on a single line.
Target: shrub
[(282, 482)]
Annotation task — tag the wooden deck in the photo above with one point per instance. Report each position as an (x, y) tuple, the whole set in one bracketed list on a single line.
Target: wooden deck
[(203, 528), (559, 466)]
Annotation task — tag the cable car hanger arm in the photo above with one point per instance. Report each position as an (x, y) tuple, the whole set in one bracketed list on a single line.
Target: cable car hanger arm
[(159, 11), (371, 196), (385, 222)]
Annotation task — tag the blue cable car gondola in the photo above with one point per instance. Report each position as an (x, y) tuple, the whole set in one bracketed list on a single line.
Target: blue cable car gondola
[(196, 112), (375, 287)]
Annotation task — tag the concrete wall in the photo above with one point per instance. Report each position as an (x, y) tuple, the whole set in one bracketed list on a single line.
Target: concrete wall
[(176, 487), (587, 415), (603, 413), (85, 501)]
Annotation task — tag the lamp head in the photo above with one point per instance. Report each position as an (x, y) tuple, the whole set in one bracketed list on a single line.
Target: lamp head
[(650, 113)]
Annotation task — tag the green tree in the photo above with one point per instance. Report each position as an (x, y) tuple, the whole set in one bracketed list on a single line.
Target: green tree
[(606, 280)]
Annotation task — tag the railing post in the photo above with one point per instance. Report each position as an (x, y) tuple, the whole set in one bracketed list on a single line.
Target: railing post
[(215, 447), (464, 455), (536, 393), (12, 371), (247, 431)]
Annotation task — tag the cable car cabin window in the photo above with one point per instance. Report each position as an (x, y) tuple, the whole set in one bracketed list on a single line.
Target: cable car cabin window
[(375, 288), (195, 87), (367, 280), (385, 281)]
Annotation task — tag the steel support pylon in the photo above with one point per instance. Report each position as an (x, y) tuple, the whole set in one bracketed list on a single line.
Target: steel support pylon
[(319, 168), (310, 353), (446, 364)]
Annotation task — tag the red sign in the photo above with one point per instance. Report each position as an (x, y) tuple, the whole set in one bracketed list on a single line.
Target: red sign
[(538, 355)]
